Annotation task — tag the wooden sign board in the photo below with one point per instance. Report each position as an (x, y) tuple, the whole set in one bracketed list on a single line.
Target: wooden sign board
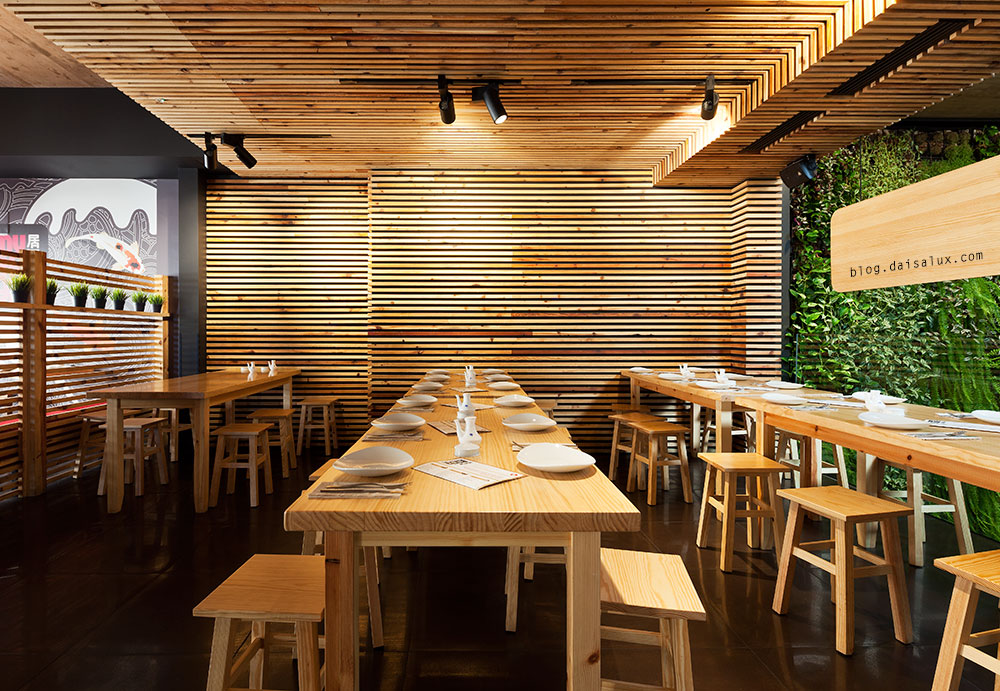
[(939, 229)]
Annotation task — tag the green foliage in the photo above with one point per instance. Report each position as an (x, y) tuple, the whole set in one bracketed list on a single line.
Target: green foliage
[(140, 299), (156, 300), (18, 281), (118, 295), (79, 290), (99, 293), (52, 288)]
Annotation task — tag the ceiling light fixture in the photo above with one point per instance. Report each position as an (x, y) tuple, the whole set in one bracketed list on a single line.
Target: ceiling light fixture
[(447, 103), (236, 142), (490, 94), (211, 157), (709, 104)]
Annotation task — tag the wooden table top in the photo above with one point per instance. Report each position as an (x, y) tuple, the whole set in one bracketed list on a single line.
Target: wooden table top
[(687, 390), (584, 501), (198, 386)]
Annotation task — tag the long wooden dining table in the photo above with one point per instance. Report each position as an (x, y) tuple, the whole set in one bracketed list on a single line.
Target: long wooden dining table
[(540, 509), (197, 393)]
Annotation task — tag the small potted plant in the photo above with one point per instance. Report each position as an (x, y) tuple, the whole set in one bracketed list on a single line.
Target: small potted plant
[(80, 293), (140, 298), (100, 295), (52, 289), (20, 286), (156, 300), (118, 297)]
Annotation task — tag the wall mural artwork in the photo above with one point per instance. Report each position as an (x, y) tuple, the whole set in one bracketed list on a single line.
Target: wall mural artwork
[(107, 223)]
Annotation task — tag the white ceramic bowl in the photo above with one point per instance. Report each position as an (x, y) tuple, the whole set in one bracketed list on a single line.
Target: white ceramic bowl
[(991, 416), (374, 461), (513, 401), (437, 377), (670, 376), (786, 399), (428, 386), (417, 400), (738, 377), (529, 422), (554, 458), (777, 384), (438, 371), (890, 421), (498, 377), (712, 384), (503, 386), (398, 422), (493, 370), (640, 370), (888, 400)]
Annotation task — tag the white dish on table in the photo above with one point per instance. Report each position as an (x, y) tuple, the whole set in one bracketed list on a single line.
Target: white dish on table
[(554, 458), (374, 461), (738, 377), (438, 371), (783, 398), (888, 400), (498, 377), (437, 377), (529, 422), (417, 400), (699, 369), (890, 421), (428, 386), (640, 370), (709, 384), (399, 422), (503, 386), (514, 401), (493, 370), (778, 384), (991, 416), (670, 376)]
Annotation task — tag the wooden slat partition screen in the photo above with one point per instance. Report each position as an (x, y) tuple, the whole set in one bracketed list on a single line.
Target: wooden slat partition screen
[(11, 385), (287, 279)]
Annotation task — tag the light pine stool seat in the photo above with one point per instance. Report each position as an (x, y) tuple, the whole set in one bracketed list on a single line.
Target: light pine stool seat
[(758, 502), (845, 508), (974, 574), (285, 440), (327, 424), (268, 589), (228, 457), (143, 439), (621, 433), (656, 434), (647, 584)]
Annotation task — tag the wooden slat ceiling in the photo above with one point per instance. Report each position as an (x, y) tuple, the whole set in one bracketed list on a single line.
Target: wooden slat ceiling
[(28, 59), (342, 73)]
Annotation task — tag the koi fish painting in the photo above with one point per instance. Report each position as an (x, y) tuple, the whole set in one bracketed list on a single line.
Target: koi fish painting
[(126, 256)]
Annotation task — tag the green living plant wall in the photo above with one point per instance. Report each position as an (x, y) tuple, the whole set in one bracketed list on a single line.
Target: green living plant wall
[(936, 343)]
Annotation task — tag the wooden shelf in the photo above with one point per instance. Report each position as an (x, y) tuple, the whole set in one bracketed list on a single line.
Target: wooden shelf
[(83, 310)]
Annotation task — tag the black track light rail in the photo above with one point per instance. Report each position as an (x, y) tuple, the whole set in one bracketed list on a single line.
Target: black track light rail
[(629, 81)]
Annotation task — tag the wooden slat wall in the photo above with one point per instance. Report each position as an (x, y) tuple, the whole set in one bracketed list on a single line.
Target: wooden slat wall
[(287, 279), (11, 383)]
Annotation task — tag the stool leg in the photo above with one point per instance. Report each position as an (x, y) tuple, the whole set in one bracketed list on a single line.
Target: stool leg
[(685, 469), (958, 626), (307, 646), (786, 565), (703, 517), (615, 439), (898, 598), (288, 443), (753, 523), (80, 455), (220, 454), (302, 429), (654, 455), (265, 443), (175, 433), (633, 465), (915, 521), (513, 561), (680, 649), (161, 456), (253, 471), (843, 562), (223, 647), (778, 513), (232, 451), (260, 662), (374, 604), (641, 476), (728, 521), (326, 430), (139, 461), (957, 497), (529, 566)]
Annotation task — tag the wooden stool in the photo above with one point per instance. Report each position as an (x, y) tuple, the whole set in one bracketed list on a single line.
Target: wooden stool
[(621, 435), (174, 429), (788, 452), (327, 404), (91, 446), (708, 427), (920, 503), (227, 455), (137, 430), (974, 573), (761, 500), (268, 589), (657, 433), (286, 438), (845, 508), (652, 585), (517, 555)]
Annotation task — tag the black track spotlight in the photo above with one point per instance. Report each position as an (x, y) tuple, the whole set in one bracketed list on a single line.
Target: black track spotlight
[(490, 94), (447, 103), (236, 142), (709, 104), (211, 157)]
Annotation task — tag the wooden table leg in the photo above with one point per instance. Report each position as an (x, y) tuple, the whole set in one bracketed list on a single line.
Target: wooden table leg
[(765, 437), (199, 434), (695, 428), (342, 642), (286, 394), (583, 612), (723, 428), (867, 482), (114, 464), (635, 393)]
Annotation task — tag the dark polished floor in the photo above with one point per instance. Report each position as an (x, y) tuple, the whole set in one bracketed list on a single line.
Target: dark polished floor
[(91, 601)]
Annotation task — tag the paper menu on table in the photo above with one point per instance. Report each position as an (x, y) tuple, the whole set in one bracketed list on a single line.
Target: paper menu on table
[(468, 473)]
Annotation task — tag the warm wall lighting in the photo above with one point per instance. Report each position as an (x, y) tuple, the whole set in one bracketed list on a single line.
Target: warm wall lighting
[(490, 94)]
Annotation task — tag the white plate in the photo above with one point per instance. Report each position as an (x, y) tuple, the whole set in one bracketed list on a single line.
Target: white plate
[(428, 386), (554, 458), (776, 384), (529, 422), (513, 401), (498, 377), (503, 386), (374, 461), (787, 399), (711, 384), (493, 370), (439, 371), (670, 376), (891, 421), (417, 400), (640, 370), (437, 377), (738, 377), (888, 400), (991, 416), (700, 369), (398, 422)]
